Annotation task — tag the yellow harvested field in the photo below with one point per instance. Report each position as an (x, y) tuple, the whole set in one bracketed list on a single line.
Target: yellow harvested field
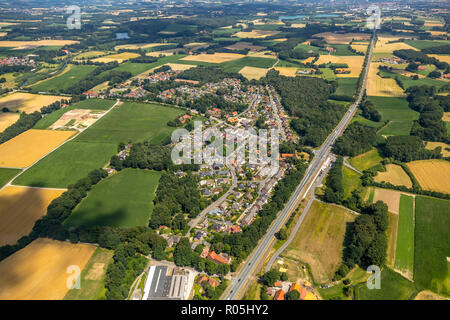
[(428, 295), (136, 46), (360, 47), (29, 146), (445, 147), (354, 63), (262, 54), (287, 71), (159, 53), (40, 271), (20, 207), (7, 119), (395, 175), (253, 73), (390, 197), (432, 175), (433, 24), (120, 57), (217, 57), (342, 38), (383, 87), (298, 25), (309, 59), (195, 44), (21, 44), (280, 40), (256, 34), (441, 57), (446, 116), (90, 54), (382, 45), (438, 33), (179, 66), (27, 102)]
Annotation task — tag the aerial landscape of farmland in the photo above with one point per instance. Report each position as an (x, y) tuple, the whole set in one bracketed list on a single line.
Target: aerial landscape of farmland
[(232, 150)]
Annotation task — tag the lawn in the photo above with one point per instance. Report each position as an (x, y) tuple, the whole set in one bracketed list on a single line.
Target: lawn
[(124, 199), (393, 287), (404, 256), (346, 86), (236, 65), (132, 122), (432, 245), (63, 81), (7, 174), (93, 104), (69, 163), (92, 278), (398, 112), (366, 160)]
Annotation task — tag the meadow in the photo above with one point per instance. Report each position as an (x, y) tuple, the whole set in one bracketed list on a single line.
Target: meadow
[(366, 160), (65, 80), (319, 241), (350, 180), (124, 199), (92, 104), (432, 245), (92, 285), (66, 165), (397, 111), (404, 253), (393, 287)]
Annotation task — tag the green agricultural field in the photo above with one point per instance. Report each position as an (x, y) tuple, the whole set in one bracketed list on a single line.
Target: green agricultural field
[(422, 44), (346, 86), (408, 82), (92, 278), (225, 32), (7, 174), (341, 50), (66, 165), (132, 121), (236, 65), (393, 287), (350, 180), (366, 160), (367, 122), (135, 68), (124, 199), (93, 104), (397, 111), (432, 245), (404, 255), (65, 80)]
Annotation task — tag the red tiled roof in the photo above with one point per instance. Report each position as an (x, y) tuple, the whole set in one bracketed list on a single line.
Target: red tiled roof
[(279, 295)]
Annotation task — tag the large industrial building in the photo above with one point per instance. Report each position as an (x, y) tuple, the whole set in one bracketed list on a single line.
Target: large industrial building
[(164, 283)]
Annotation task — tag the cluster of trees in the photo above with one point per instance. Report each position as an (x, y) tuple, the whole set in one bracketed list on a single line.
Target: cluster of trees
[(306, 98), (240, 244), (211, 293), (367, 240), (144, 155), (175, 198), (407, 148), (334, 188), (208, 74), (207, 101), (183, 255), (100, 74), (53, 106), (25, 122), (430, 125), (369, 111), (442, 49), (144, 59), (413, 55), (15, 68), (357, 138)]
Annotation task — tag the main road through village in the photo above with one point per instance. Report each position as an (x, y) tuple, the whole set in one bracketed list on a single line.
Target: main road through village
[(244, 275)]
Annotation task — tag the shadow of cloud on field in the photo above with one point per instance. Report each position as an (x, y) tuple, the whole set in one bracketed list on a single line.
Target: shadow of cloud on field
[(13, 216), (95, 216)]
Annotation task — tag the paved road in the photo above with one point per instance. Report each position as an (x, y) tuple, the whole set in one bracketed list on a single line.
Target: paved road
[(234, 291)]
